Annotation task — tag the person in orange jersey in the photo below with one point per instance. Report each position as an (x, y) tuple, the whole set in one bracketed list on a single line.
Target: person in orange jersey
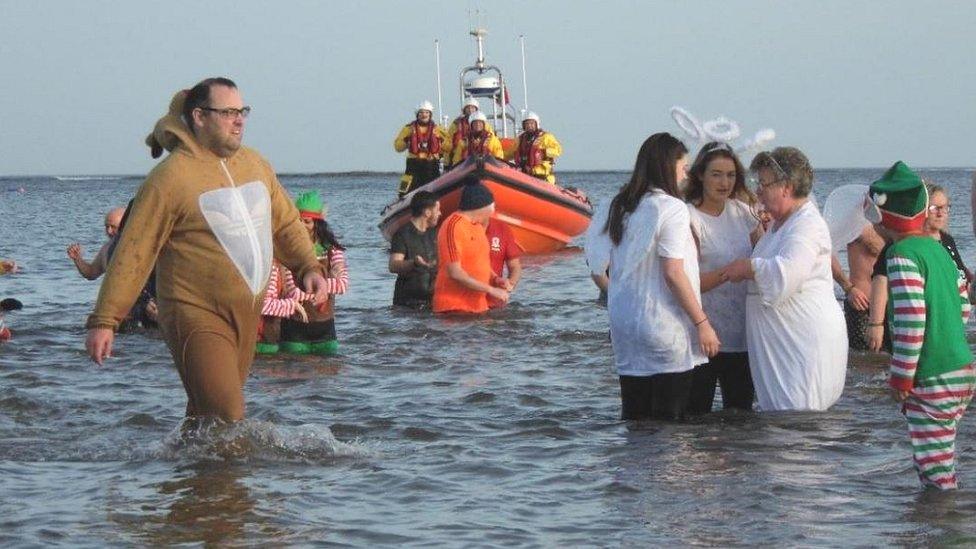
[(464, 277)]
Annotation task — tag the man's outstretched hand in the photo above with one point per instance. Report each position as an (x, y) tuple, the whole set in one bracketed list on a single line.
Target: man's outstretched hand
[(99, 344)]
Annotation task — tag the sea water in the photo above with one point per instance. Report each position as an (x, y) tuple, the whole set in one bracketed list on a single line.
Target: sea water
[(499, 431)]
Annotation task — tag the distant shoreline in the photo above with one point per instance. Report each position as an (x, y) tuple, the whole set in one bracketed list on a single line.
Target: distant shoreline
[(366, 173)]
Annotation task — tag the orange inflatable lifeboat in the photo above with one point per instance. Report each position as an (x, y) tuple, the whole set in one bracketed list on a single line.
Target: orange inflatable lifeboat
[(543, 217)]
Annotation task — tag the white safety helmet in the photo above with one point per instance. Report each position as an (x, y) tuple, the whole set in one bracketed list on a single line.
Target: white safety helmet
[(477, 116), (532, 116), (426, 106), (470, 102)]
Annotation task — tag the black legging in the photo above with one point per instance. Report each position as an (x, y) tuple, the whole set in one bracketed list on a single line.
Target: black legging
[(660, 396), (731, 372)]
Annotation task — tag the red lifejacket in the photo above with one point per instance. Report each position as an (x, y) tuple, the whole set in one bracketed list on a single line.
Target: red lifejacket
[(529, 156), (430, 144), (470, 147), (462, 130)]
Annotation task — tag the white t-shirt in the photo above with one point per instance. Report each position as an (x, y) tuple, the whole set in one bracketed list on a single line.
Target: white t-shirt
[(724, 239), (650, 332)]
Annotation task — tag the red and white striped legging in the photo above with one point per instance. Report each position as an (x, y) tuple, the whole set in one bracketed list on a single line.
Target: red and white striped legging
[(933, 410)]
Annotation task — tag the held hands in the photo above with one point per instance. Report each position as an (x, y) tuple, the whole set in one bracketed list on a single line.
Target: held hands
[(899, 395), (503, 283), (739, 270), (499, 294), (316, 285), (300, 314), (99, 344)]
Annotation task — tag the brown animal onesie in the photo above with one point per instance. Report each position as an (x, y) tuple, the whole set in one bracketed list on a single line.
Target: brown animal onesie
[(208, 311)]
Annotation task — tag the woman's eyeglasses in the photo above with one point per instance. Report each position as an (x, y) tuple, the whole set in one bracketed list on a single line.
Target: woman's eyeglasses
[(939, 209)]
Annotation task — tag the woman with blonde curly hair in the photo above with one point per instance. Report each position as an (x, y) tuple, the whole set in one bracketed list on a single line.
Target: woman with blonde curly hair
[(796, 333)]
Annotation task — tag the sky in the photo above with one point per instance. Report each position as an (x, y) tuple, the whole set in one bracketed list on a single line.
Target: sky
[(851, 83)]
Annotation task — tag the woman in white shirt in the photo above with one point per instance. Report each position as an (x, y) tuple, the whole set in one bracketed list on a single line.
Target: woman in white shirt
[(726, 229), (794, 326), (658, 329)]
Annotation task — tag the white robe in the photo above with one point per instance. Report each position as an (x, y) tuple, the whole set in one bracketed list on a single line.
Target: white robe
[(795, 328)]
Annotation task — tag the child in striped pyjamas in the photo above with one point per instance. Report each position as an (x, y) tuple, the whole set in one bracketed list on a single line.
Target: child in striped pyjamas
[(931, 363)]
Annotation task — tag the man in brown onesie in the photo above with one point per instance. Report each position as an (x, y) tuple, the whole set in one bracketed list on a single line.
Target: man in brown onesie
[(208, 217)]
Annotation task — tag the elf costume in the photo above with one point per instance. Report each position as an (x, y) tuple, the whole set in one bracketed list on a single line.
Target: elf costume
[(318, 335), (928, 310)]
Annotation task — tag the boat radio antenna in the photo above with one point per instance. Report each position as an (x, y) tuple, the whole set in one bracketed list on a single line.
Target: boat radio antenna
[(479, 35), (437, 63), (525, 86)]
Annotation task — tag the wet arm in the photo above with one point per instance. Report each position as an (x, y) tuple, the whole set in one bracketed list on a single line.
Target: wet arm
[(514, 271), (837, 271), (713, 279), (148, 228), (459, 275), (90, 271), (292, 245)]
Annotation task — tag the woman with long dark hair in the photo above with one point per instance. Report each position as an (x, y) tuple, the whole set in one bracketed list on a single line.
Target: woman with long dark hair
[(726, 229), (657, 325), (317, 335)]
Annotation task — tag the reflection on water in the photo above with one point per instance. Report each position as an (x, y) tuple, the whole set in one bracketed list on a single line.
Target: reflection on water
[(501, 430), (204, 502)]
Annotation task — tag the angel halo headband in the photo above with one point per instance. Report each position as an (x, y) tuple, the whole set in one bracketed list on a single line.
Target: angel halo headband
[(720, 129)]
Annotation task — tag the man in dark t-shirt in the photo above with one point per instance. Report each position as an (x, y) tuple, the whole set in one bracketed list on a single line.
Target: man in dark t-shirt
[(413, 253)]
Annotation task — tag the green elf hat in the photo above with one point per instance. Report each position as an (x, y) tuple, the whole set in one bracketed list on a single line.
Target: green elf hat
[(310, 206), (898, 200)]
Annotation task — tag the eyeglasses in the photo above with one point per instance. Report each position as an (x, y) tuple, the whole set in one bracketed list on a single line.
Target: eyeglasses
[(939, 209), (768, 161), (229, 113)]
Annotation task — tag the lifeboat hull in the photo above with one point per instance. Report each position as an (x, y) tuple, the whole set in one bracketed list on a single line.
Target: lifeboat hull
[(543, 217)]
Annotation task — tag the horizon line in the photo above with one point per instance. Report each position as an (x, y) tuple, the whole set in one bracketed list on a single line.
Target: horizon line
[(84, 176)]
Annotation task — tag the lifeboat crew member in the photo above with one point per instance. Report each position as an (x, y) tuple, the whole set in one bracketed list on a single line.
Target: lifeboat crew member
[(424, 141), (479, 141), (537, 149), (459, 129)]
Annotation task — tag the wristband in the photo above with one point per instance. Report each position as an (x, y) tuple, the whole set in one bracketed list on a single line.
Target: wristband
[(876, 324), (702, 321)]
